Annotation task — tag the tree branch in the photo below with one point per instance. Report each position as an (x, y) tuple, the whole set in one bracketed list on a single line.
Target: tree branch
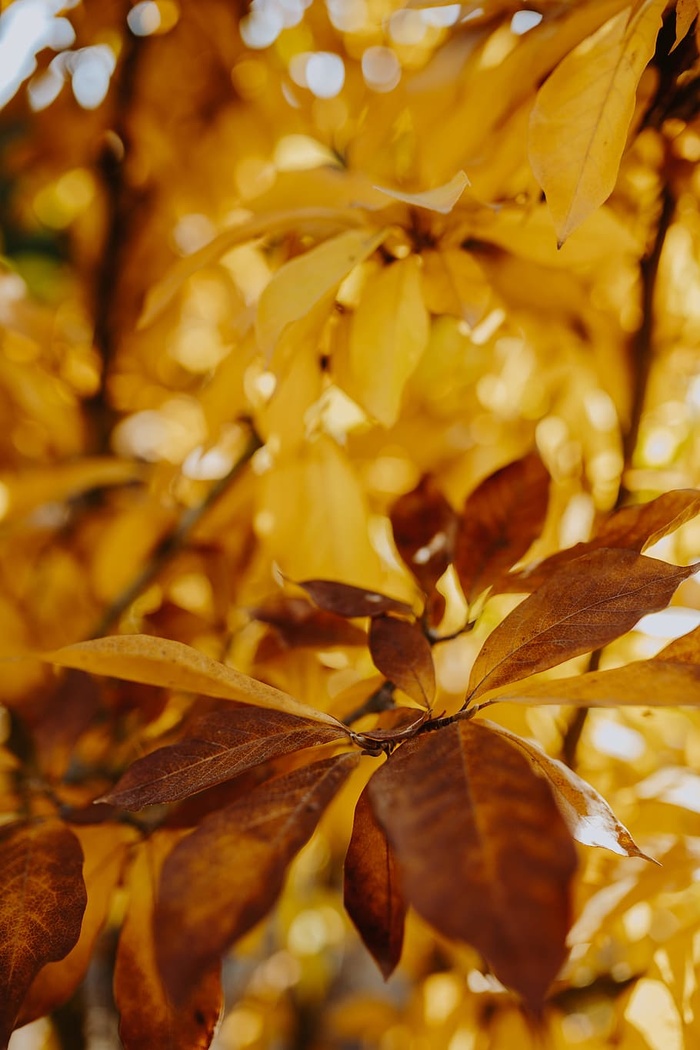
[(173, 541)]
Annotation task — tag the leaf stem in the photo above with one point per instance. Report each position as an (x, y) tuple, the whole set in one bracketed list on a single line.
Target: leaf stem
[(173, 541)]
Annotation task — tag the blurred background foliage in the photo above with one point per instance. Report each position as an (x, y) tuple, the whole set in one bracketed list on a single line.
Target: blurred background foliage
[(133, 498)]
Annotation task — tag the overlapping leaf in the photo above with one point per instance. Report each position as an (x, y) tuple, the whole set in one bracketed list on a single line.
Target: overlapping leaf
[(586, 813), (423, 523), (482, 850), (41, 907), (584, 605), (172, 665), (500, 521), (224, 877), (148, 1017), (217, 746), (580, 121), (401, 651), (373, 898)]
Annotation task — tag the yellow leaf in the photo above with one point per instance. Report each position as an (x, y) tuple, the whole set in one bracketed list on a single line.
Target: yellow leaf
[(161, 294), (303, 282), (686, 13), (580, 121), (172, 665), (388, 335), (21, 493), (441, 199)]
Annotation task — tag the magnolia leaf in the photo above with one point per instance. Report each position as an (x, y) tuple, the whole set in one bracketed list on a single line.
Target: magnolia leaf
[(217, 746), (442, 199), (396, 723), (670, 679), (423, 523), (347, 600), (306, 280), (579, 124), (483, 853), (401, 651), (298, 624), (172, 665), (388, 334), (372, 894), (162, 294), (686, 13), (632, 528), (148, 1018), (224, 877), (41, 907), (104, 847), (587, 815), (583, 606), (500, 521), (61, 481)]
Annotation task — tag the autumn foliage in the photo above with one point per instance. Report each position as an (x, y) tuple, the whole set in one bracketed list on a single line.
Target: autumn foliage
[(349, 503)]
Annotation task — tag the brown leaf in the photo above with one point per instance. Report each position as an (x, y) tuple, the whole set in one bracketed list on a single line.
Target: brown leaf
[(41, 907), (397, 723), (373, 898), (582, 606), (217, 746), (104, 847), (632, 528), (173, 665), (222, 879), (298, 624), (346, 600), (500, 521), (482, 850), (148, 1018), (587, 815), (424, 523), (401, 651)]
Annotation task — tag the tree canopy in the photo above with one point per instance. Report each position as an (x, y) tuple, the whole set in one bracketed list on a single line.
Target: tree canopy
[(349, 512)]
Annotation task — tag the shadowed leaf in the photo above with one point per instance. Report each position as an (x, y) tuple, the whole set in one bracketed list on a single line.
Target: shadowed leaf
[(587, 815), (218, 746), (147, 1017), (482, 850), (298, 623), (373, 898), (632, 528), (500, 521), (224, 877), (172, 665), (104, 847), (401, 651), (423, 523), (41, 907), (346, 600), (584, 605)]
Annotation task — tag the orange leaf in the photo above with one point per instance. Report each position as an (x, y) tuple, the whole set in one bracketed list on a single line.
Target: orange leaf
[(373, 898), (583, 605), (346, 600), (298, 624), (41, 907), (148, 1018), (482, 850), (401, 651), (172, 665), (104, 847), (500, 521), (225, 877), (218, 746), (588, 816)]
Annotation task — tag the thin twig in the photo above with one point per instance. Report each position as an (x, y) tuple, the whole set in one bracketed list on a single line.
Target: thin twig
[(382, 699), (173, 542)]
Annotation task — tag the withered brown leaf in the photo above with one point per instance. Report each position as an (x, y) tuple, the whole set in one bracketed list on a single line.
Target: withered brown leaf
[(224, 877), (401, 651), (347, 600), (500, 521), (424, 523), (584, 605), (41, 907), (483, 852), (373, 898), (218, 745)]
